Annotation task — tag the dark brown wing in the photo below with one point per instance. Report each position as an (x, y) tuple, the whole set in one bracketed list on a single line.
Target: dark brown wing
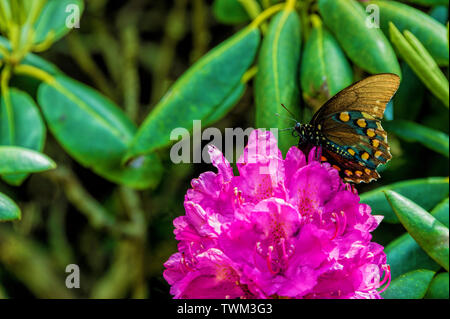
[(350, 120), (368, 95), (348, 170)]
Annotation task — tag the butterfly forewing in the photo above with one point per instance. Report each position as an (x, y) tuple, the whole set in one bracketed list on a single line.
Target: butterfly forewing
[(350, 123)]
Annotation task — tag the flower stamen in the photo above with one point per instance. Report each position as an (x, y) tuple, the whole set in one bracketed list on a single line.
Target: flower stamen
[(387, 277)]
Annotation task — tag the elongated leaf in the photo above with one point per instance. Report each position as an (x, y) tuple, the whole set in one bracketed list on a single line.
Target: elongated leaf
[(56, 17), (440, 13), (198, 92), (440, 212), (26, 125), (8, 209), (366, 46), (324, 68), (412, 285), (413, 132), (227, 104), (276, 82), (438, 288), (404, 254), (95, 132), (141, 173), (426, 230), (17, 160), (420, 61), (91, 128), (429, 2), (229, 11), (427, 193), (429, 31)]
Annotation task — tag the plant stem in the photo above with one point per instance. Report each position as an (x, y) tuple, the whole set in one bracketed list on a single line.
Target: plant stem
[(4, 85), (266, 14)]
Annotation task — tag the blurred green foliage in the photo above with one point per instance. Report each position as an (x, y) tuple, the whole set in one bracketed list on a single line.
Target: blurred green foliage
[(101, 100)]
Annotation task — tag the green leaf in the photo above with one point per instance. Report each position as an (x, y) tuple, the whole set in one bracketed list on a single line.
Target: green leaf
[(277, 79), (413, 132), (440, 13), (324, 68), (141, 173), (429, 31), (426, 230), (8, 209), (95, 132), (408, 108), (198, 92), (438, 288), (53, 19), (367, 47), (26, 125), (427, 193), (404, 254), (229, 11), (429, 2), (17, 160), (412, 285), (420, 61), (440, 212), (229, 102)]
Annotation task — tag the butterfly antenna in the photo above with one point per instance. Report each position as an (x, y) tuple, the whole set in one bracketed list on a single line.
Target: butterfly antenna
[(285, 117), (285, 129), (288, 111)]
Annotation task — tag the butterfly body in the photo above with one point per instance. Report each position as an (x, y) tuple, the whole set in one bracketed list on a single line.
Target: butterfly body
[(348, 128)]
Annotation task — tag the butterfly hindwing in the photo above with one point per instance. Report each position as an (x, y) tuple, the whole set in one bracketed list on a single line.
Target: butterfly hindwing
[(351, 123), (350, 171)]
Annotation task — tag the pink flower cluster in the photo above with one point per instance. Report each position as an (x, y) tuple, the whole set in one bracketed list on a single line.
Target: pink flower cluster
[(280, 229)]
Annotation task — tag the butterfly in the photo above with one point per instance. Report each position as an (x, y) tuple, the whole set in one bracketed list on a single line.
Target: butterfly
[(348, 128)]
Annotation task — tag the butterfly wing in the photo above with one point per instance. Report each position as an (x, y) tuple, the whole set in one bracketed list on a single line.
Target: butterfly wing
[(350, 171), (351, 123)]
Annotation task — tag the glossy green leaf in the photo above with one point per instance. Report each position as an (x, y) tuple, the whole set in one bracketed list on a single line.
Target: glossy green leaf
[(324, 68), (24, 123), (90, 127), (229, 102), (426, 192), (408, 108), (277, 79), (427, 231), (413, 132), (438, 288), (229, 11), (141, 173), (404, 254), (429, 2), (367, 47), (8, 209), (440, 212), (440, 13), (430, 32), (17, 160), (421, 62), (94, 131), (412, 285), (198, 92), (54, 17)]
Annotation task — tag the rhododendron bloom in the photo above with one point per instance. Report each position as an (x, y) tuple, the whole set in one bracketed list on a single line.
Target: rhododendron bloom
[(282, 228)]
